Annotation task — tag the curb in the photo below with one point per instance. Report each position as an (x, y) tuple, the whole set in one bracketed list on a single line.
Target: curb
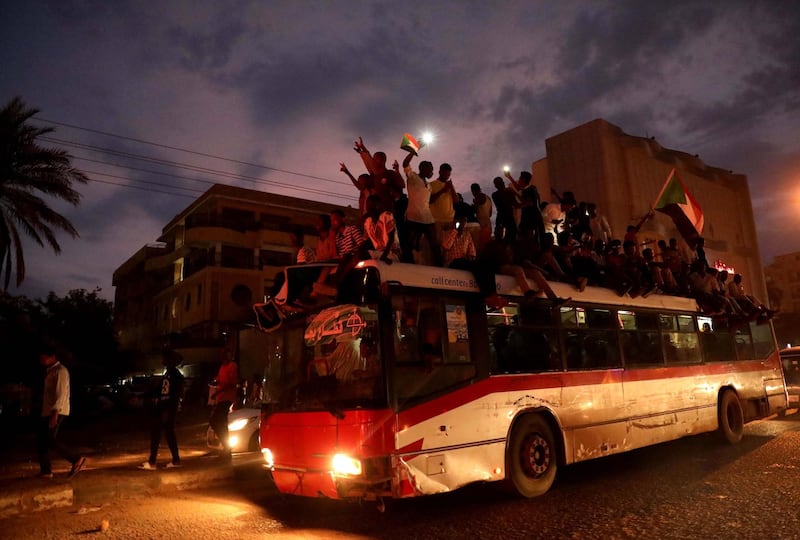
[(107, 485), (45, 497)]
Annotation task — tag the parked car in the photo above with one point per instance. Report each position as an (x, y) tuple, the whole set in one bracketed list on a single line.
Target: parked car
[(242, 431), (790, 358)]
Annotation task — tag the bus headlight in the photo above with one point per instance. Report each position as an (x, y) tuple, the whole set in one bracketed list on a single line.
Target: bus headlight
[(345, 465), (268, 459)]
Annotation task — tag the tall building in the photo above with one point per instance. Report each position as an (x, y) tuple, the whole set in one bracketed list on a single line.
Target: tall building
[(783, 282), (211, 263), (623, 174)]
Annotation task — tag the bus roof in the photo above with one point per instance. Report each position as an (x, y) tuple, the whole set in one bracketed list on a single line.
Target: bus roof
[(432, 277)]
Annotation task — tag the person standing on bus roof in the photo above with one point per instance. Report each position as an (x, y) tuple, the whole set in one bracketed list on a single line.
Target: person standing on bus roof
[(483, 210), (386, 183), (505, 228), (419, 219), (443, 200), (224, 396), (379, 227)]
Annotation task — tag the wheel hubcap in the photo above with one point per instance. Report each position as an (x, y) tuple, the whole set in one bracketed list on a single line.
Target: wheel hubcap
[(535, 455)]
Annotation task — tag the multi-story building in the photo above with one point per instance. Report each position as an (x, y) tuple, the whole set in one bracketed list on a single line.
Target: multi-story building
[(213, 261), (623, 174), (783, 282)]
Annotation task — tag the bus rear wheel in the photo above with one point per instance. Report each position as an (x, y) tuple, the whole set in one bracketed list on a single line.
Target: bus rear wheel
[(731, 417), (532, 456)]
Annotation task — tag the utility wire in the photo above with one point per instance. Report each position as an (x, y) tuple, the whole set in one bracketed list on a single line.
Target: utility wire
[(194, 168), (151, 190), (178, 149)]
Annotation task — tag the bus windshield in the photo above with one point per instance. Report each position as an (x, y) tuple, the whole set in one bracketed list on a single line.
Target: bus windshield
[(327, 361)]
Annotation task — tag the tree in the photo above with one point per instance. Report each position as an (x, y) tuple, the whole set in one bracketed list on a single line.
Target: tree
[(28, 170)]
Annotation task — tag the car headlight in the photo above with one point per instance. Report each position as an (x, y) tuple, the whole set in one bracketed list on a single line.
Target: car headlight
[(268, 459), (345, 465), (236, 425)]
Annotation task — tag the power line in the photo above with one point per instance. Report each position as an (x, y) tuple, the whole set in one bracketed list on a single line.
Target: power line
[(189, 167), (143, 188), (144, 181), (176, 148)]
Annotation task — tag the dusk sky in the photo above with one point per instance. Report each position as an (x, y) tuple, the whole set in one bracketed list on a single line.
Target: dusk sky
[(289, 85)]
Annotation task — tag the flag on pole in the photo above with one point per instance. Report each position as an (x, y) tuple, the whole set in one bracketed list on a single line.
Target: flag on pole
[(676, 201), (410, 144)]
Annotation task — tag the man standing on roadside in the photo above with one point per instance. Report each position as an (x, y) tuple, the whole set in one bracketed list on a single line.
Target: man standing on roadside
[(55, 408), (165, 410), (224, 396)]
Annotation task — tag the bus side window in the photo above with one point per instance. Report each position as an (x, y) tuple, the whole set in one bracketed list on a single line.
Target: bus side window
[(763, 343)]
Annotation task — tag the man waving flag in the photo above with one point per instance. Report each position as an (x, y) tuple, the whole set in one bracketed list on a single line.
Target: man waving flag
[(676, 201)]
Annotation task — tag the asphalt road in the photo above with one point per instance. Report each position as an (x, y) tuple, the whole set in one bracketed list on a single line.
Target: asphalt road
[(691, 488)]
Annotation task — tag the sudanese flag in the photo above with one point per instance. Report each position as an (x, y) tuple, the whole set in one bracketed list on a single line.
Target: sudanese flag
[(676, 201)]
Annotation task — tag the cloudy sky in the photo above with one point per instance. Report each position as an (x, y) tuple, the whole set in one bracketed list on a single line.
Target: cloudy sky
[(279, 90)]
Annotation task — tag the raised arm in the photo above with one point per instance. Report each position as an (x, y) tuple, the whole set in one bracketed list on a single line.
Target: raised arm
[(408, 158), (343, 168), (366, 157)]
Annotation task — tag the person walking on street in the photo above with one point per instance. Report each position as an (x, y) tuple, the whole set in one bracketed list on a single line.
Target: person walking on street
[(224, 396), (55, 408), (165, 410)]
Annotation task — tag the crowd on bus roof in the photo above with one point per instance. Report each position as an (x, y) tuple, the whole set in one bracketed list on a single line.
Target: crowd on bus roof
[(415, 218)]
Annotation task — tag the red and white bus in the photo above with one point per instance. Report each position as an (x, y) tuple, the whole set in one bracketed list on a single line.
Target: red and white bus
[(409, 385)]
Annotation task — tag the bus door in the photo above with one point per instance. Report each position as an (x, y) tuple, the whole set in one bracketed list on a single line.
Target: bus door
[(593, 406)]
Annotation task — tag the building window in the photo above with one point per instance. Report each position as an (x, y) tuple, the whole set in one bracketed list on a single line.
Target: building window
[(188, 302)]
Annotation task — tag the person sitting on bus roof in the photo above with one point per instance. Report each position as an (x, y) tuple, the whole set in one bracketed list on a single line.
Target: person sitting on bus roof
[(460, 254), (457, 243), (326, 246), (304, 254), (564, 252), (363, 184), (703, 290), (736, 291), (637, 270), (498, 258), (618, 278), (661, 276), (347, 238)]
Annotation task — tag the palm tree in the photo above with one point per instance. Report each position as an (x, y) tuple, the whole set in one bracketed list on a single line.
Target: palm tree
[(28, 170)]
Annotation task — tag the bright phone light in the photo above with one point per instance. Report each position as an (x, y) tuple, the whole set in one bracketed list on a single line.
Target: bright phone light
[(506, 168), (427, 137)]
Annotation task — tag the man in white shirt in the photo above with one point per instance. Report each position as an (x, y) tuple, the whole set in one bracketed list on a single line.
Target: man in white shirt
[(55, 408), (419, 218)]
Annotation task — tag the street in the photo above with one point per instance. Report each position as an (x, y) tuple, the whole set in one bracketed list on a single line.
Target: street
[(691, 488)]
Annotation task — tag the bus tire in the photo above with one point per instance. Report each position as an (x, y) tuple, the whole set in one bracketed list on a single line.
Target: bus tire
[(532, 456), (731, 417)]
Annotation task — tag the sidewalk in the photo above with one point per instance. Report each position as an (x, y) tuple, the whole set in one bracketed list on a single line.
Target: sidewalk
[(111, 468)]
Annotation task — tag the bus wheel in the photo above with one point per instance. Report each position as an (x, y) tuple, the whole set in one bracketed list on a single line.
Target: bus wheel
[(731, 417), (532, 456)]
